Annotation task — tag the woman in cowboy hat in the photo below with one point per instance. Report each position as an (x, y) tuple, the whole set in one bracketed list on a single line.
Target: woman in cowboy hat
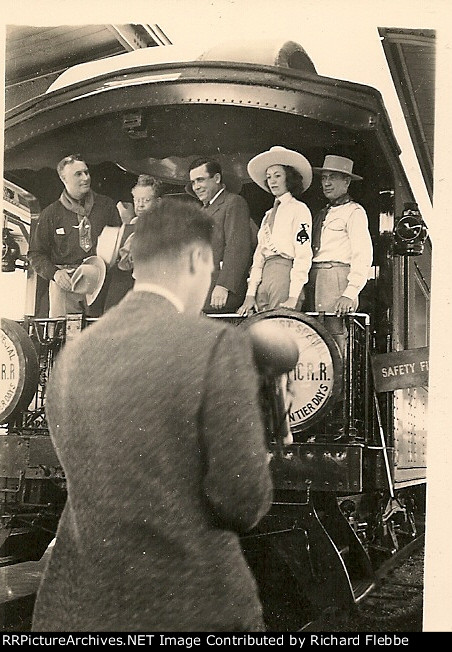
[(282, 258)]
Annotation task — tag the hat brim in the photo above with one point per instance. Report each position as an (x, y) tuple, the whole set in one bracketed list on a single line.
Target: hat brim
[(354, 177), (231, 181), (99, 263), (108, 243), (257, 167)]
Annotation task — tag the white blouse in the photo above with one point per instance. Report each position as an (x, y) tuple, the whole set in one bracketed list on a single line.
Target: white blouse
[(289, 238)]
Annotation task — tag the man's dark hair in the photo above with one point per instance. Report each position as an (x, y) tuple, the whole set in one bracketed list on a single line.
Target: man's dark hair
[(67, 160), (169, 226), (294, 181), (212, 166)]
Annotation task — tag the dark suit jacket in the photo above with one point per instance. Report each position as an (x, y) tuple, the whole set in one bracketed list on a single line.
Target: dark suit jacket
[(118, 281), (154, 416), (232, 247)]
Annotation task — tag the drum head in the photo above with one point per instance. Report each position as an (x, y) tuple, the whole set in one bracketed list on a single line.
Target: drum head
[(19, 369), (316, 380)]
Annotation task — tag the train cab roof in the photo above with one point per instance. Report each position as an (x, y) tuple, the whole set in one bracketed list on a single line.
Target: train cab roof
[(156, 109), (288, 54)]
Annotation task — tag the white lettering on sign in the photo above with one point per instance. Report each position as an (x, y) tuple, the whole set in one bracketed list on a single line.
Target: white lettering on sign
[(9, 371), (400, 369), (404, 369)]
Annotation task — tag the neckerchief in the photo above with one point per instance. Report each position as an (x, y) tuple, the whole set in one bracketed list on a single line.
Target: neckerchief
[(83, 212)]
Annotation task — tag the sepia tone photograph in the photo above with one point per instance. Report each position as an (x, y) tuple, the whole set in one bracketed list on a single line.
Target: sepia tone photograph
[(224, 306)]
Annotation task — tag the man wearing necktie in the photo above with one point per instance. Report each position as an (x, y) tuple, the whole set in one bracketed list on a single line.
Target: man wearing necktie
[(233, 237), (341, 242), (67, 232)]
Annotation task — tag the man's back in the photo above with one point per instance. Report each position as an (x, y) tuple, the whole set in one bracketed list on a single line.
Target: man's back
[(160, 435)]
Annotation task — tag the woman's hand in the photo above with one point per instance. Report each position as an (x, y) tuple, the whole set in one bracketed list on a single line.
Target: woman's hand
[(248, 307), (290, 303)]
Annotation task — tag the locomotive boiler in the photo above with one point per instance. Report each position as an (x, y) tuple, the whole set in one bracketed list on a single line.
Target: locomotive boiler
[(346, 429)]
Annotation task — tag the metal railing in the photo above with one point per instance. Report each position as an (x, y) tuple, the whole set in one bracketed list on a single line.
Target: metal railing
[(352, 415)]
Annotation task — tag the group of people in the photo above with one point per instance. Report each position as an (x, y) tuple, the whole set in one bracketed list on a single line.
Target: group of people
[(293, 261), (154, 410)]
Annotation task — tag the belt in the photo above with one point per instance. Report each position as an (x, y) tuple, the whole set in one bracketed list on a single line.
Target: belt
[(73, 267), (276, 256), (326, 264)]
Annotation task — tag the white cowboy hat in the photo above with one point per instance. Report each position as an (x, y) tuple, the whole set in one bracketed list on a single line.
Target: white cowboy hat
[(334, 163), (89, 277), (108, 244), (231, 181), (277, 155)]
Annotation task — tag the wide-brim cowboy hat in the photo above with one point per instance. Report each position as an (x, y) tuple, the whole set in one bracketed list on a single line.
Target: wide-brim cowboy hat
[(89, 278), (342, 164), (257, 167), (230, 180)]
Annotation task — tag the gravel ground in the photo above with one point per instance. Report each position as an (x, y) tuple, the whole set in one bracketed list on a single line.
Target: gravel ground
[(395, 605)]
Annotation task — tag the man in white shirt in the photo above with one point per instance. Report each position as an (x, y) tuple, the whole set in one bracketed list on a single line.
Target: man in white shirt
[(341, 242)]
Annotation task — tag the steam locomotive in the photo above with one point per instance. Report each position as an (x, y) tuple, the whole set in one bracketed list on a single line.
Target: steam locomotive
[(346, 429)]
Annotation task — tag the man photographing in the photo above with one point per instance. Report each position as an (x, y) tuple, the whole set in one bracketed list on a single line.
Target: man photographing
[(154, 414)]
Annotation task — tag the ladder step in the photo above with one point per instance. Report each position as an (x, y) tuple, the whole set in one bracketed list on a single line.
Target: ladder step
[(361, 588), (344, 552)]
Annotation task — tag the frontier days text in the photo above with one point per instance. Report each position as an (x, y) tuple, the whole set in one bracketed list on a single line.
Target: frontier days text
[(295, 641)]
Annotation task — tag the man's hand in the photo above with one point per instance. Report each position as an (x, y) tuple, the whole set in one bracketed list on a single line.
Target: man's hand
[(63, 279), (248, 307), (219, 297), (344, 305)]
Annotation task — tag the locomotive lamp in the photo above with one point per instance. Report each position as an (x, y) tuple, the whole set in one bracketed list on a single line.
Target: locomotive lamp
[(410, 232), (10, 251)]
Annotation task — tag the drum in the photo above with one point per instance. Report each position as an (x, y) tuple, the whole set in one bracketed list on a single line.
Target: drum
[(19, 369), (315, 381)]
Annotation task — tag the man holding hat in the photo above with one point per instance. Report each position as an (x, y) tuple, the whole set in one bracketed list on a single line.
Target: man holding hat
[(234, 234), (341, 242), (66, 234)]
